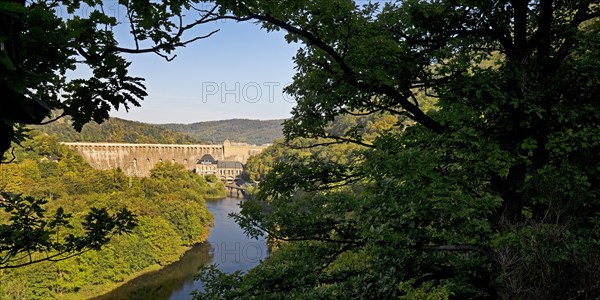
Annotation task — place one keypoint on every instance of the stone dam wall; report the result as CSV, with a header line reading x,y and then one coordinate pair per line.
x,y
139,159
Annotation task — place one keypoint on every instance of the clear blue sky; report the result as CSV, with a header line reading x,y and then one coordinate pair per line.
x,y
238,72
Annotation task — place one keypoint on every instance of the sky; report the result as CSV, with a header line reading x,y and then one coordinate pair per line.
x,y
238,72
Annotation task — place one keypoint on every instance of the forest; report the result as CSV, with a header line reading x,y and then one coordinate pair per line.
x,y
168,207
257,132
116,130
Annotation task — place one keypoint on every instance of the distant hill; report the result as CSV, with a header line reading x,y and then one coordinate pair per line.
x,y
236,130
117,130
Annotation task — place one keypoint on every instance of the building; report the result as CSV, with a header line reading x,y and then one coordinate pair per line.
x,y
206,165
226,170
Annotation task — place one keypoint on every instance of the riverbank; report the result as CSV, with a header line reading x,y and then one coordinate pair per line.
x,y
135,285
226,246
154,275
143,284
159,283
190,260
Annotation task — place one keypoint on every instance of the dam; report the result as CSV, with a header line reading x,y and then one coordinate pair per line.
x,y
139,159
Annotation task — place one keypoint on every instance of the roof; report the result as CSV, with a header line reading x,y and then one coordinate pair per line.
x,y
207,159
229,164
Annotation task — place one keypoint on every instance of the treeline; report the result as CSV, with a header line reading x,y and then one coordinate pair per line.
x,y
236,130
169,207
117,130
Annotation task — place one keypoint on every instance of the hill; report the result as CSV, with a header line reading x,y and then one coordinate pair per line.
x,y
236,130
117,130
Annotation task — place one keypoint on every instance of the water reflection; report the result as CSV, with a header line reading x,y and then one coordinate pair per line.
x,y
231,249
162,283
227,247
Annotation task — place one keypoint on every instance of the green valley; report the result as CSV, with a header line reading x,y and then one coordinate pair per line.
x,y
168,206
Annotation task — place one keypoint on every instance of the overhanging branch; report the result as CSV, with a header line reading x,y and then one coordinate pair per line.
x,y
488,252
415,113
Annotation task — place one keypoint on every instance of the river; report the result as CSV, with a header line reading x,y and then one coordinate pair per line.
x,y
227,247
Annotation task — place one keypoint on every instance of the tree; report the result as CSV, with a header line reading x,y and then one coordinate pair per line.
x,y
41,42
29,237
491,194
169,207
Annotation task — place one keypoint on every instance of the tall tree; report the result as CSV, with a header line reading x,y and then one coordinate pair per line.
x,y
40,43
494,193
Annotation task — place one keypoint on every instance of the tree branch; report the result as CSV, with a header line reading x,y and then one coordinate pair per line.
x,y
171,42
581,16
300,239
520,32
333,257
339,140
53,120
52,258
352,78
488,252
541,37
444,273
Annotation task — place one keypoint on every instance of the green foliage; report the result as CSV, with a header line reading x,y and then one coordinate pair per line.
x,y
43,42
257,166
298,150
236,130
169,206
490,190
27,231
115,130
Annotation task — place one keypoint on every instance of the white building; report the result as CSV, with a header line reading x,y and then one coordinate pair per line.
x,y
225,170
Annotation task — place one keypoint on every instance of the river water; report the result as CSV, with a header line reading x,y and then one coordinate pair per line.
x,y
227,247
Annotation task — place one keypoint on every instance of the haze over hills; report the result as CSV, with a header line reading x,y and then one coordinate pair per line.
x,y
118,130
236,130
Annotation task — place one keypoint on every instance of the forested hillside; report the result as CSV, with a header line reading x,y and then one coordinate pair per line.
x,y
169,207
116,130
236,130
